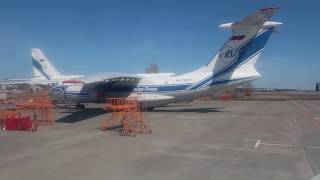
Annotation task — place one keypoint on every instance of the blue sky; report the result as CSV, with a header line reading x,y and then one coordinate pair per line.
x,y
126,35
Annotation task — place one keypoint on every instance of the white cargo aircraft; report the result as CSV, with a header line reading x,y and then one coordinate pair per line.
x,y
44,73
43,69
233,65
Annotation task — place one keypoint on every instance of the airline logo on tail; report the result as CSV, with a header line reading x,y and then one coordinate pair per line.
x,y
228,54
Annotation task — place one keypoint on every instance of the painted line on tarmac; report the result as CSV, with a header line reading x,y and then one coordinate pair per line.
x,y
305,111
157,115
314,106
313,147
299,136
257,144
190,117
270,144
273,144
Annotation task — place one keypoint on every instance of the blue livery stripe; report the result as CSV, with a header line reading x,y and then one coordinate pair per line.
x,y
38,66
248,50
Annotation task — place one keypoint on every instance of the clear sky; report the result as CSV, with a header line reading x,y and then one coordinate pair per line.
x,y
82,36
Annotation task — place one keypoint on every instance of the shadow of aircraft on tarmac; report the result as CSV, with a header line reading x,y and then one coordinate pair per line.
x,y
80,114
195,110
76,115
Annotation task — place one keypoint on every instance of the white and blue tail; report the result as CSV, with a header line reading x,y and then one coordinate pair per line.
x,y
236,59
42,67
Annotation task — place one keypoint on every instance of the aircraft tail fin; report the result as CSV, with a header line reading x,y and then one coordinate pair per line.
x,y
246,43
42,67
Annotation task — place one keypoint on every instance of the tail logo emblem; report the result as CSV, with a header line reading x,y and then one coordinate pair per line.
x,y
228,54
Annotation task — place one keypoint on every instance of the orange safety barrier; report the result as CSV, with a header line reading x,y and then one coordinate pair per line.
x,y
4,113
3,101
126,112
37,106
14,120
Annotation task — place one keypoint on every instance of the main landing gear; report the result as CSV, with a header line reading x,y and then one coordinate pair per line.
x,y
150,108
80,106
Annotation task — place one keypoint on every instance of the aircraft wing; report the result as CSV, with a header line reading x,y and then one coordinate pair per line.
x,y
14,81
26,81
105,79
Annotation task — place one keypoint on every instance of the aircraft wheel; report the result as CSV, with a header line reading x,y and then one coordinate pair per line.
x,y
150,109
81,106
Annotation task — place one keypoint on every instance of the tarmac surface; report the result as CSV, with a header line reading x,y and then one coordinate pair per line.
x,y
219,140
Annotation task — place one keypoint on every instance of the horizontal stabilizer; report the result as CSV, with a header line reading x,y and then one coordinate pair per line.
x,y
257,20
106,78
